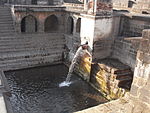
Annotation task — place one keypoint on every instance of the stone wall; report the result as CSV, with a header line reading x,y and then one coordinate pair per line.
x,y
140,90
120,3
103,38
40,14
142,6
134,25
125,49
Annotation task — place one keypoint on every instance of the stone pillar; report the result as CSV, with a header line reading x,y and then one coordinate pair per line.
x,y
99,32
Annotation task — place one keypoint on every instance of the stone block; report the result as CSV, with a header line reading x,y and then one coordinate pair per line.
x,y
141,82
146,57
138,108
144,45
134,90
144,92
146,34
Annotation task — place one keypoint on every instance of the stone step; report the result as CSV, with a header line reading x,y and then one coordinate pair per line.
x,y
5,44
12,54
25,51
7,30
30,56
6,26
46,48
31,39
6,19
6,23
6,34
31,61
27,41
5,13
4,8
26,63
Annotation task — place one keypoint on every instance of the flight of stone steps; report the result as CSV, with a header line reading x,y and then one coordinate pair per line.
x,y
30,50
26,50
6,22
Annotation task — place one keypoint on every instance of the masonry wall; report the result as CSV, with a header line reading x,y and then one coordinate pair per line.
x,y
142,6
40,16
120,3
133,26
125,49
103,37
140,90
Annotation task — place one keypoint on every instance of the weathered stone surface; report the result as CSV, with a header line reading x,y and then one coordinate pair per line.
x,y
125,49
134,90
134,27
111,77
31,50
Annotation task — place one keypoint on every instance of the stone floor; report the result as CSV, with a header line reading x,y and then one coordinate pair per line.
x,y
122,105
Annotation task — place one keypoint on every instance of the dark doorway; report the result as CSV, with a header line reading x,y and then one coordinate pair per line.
x,y
29,24
78,25
70,25
51,24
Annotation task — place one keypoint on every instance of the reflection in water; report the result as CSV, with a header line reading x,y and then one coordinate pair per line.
x,y
36,90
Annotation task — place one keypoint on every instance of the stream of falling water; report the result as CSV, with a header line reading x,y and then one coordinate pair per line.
x,y
67,82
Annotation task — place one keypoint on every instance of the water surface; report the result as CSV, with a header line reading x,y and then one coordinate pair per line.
x,y
36,90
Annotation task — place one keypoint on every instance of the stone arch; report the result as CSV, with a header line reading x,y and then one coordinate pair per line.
x,y
51,24
29,24
70,25
78,25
